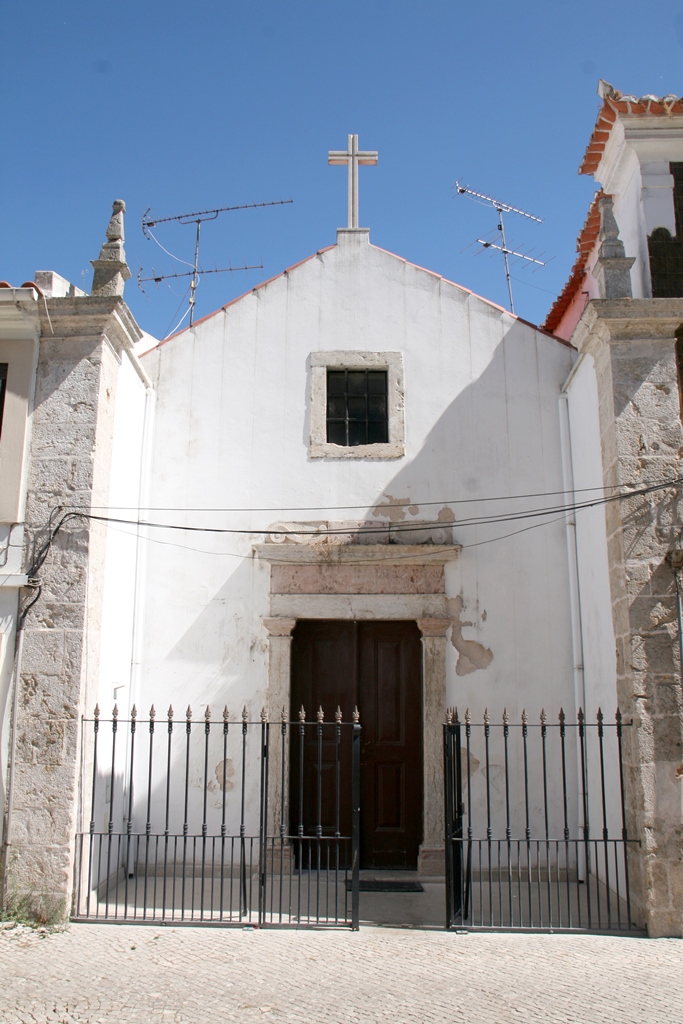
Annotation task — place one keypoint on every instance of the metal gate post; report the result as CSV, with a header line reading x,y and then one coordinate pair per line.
x,y
263,821
355,826
448,818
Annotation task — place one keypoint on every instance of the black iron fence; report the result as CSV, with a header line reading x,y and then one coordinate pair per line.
x,y
535,816
220,822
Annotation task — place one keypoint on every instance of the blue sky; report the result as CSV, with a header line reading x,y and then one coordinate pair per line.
x,y
184,106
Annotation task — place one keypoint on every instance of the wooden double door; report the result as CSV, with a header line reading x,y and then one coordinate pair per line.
x,y
376,666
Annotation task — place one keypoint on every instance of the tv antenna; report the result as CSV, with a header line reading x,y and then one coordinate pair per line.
x,y
500,209
197,218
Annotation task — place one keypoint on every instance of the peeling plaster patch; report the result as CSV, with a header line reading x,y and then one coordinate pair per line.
x,y
217,783
446,515
395,509
473,655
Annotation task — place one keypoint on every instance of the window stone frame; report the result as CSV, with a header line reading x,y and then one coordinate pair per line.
x,y
392,362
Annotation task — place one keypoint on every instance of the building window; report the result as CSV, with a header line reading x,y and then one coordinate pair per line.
x,y
357,405
3,389
666,253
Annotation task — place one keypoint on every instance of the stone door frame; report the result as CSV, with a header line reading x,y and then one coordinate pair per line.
x,y
368,582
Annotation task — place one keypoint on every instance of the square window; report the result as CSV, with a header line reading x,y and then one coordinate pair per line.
x,y
357,405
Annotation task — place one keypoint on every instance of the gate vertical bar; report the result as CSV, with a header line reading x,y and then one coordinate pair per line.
x,y
226,715
319,825
110,823
605,834
586,822
148,819
92,809
563,739
263,819
129,820
243,845
624,833
544,737
527,829
448,815
355,824
167,810
205,793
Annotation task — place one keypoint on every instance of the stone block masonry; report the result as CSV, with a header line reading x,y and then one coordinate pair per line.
x,y
70,464
633,342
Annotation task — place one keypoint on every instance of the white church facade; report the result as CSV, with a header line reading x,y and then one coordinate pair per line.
x,y
360,487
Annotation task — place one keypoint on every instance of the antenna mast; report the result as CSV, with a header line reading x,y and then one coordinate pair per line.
x,y
500,209
197,218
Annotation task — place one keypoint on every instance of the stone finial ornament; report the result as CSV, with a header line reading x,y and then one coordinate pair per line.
x,y
612,270
111,269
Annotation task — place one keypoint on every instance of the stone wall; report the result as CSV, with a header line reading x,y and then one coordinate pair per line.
x,y
70,460
633,346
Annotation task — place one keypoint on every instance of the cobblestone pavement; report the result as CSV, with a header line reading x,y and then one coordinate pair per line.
x,y
122,974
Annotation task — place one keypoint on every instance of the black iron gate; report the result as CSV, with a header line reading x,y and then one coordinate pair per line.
x,y
523,847
190,822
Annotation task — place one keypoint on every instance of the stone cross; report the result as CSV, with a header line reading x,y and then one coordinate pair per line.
x,y
352,157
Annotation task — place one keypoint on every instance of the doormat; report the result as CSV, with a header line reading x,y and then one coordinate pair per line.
x,y
374,885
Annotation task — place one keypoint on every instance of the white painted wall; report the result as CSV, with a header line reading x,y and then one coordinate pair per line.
x,y
231,433
122,553
596,604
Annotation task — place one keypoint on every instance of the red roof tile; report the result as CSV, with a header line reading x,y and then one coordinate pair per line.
x,y
584,246
614,104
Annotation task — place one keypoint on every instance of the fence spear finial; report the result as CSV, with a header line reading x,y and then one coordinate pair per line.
x,y
487,716
302,714
169,713
321,715
207,713
188,713
356,715
338,715
264,715
115,712
449,716
97,711
226,713
133,713
544,717
525,717
152,713
506,717
245,715
468,716
283,715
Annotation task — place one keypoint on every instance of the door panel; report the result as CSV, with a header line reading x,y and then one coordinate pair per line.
x,y
378,667
390,701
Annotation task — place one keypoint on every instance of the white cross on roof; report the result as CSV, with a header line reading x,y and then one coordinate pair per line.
x,y
352,157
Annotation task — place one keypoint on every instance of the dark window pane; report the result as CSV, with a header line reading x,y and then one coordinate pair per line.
x,y
357,408
357,382
336,382
377,407
336,407
358,433
336,433
377,433
377,382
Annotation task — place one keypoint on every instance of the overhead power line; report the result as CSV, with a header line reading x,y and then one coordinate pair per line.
x,y
380,528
